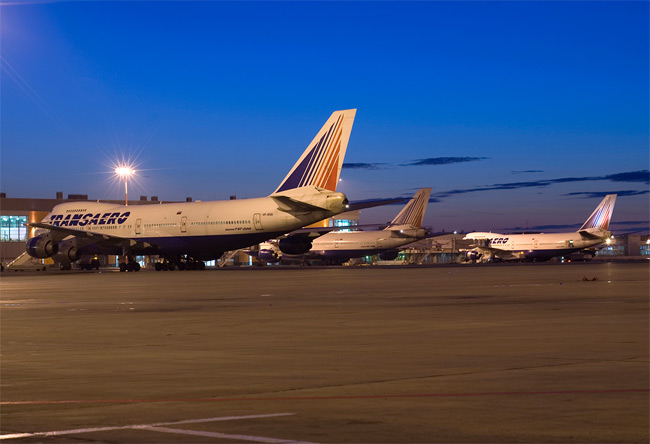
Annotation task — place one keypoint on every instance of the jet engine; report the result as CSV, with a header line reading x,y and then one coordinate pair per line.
x,y
41,247
68,253
473,255
389,255
268,255
294,245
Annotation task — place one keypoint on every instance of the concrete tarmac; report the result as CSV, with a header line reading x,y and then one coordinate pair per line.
x,y
500,354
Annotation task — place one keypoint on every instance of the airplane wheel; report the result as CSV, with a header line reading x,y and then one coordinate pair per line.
x,y
122,267
201,265
136,266
158,266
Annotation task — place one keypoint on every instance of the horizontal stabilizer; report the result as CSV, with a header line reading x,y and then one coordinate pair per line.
x,y
288,204
594,233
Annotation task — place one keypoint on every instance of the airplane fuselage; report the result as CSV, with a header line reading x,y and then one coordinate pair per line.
x,y
202,229
363,243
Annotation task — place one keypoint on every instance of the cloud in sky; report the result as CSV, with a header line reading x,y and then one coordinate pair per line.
x,y
601,194
632,176
642,176
417,162
442,160
363,166
527,171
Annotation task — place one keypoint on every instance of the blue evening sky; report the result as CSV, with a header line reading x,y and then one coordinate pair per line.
x,y
517,114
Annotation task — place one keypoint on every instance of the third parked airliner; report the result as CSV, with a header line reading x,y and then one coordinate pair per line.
x,y
540,246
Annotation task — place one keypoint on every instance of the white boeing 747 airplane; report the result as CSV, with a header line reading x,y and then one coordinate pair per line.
x,y
338,247
542,247
196,231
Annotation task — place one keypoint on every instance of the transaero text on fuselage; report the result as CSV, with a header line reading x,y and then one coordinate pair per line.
x,y
81,220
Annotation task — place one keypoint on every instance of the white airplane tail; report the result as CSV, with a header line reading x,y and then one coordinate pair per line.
x,y
602,214
413,212
320,164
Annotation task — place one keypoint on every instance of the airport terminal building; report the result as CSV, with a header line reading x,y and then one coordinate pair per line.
x,y
444,248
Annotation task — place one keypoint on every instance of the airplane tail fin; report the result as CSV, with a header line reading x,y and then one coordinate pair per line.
x,y
602,214
320,164
413,211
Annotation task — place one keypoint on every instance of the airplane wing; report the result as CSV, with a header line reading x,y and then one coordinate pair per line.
x,y
286,203
360,205
319,231
64,232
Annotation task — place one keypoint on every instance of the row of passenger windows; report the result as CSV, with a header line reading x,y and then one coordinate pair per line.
x,y
222,222
216,222
76,211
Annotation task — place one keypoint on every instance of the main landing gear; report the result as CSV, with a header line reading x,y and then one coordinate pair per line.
x,y
130,265
181,263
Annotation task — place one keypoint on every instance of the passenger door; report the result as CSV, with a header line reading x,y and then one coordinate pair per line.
x,y
138,226
257,221
184,224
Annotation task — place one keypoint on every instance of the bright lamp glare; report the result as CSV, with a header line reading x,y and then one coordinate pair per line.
x,y
124,171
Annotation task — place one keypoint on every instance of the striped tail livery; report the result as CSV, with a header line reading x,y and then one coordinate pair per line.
x,y
320,164
413,212
602,214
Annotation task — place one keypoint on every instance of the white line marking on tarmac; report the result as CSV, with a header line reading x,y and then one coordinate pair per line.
x,y
143,426
220,418
224,435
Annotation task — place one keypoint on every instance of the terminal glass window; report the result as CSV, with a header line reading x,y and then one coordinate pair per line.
x,y
12,228
343,223
612,250
645,249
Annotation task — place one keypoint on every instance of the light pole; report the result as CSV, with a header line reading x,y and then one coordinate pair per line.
x,y
126,172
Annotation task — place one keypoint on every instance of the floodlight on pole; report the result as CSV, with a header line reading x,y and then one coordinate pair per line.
x,y
126,172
